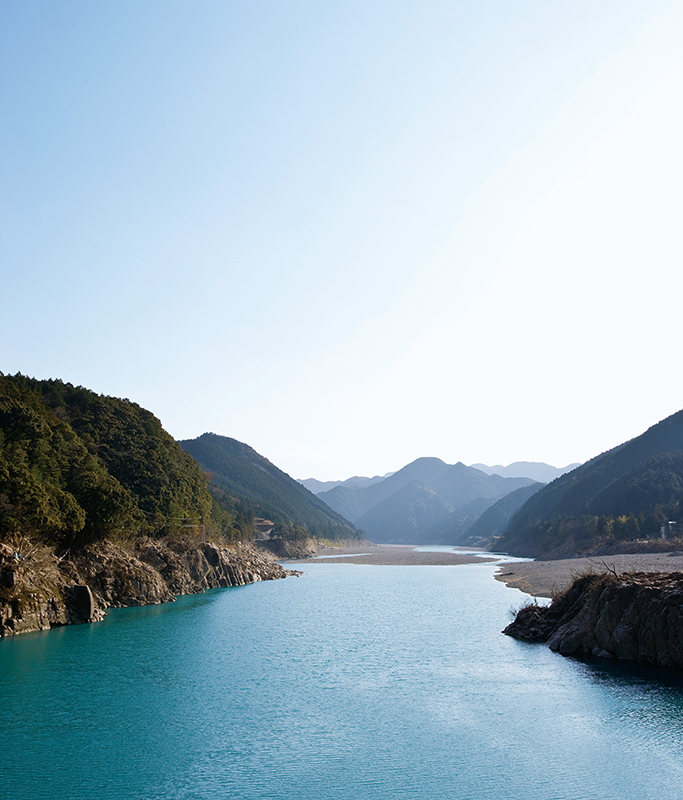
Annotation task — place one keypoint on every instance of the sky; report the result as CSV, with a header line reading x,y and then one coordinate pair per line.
x,y
350,234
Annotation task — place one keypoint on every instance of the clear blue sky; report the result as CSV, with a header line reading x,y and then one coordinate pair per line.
x,y
350,233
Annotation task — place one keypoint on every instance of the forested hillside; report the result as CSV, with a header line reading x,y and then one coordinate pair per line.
x,y
238,470
624,494
77,467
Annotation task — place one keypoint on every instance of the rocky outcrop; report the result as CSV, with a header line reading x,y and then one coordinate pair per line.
x,y
634,617
38,590
118,577
283,548
188,568
35,594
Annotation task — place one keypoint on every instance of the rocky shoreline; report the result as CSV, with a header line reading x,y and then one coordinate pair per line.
x,y
632,616
39,590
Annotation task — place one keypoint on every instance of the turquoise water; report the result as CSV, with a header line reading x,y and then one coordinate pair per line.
x,y
351,682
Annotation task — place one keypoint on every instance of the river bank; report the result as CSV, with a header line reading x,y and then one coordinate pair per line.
x,y
633,616
537,578
550,578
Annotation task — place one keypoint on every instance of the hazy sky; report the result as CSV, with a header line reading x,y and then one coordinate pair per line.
x,y
350,233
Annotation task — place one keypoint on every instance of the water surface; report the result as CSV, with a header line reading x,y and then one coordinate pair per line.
x,y
350,682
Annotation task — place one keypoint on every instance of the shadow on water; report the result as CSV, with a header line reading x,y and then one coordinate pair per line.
x,y
608,671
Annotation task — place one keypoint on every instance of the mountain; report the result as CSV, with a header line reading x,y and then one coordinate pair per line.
x,y
360,499
625,493
537,470
241,472
405,507
460,485
317,487
401,518
345,501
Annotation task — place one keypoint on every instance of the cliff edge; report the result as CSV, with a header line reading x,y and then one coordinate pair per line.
x,y
634,616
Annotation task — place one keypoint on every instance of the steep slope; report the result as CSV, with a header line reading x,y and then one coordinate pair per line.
x,y
624,493
241,471
76,467
100,507
494,520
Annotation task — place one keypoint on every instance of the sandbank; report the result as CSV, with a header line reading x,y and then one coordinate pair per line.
x,y
398,555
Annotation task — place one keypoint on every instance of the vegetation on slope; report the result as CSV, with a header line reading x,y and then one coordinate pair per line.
x,y
238,470
624,494
77,467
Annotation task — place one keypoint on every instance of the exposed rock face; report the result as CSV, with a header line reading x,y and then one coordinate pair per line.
x,y
188,568
38,590
118,577
35,595
635,617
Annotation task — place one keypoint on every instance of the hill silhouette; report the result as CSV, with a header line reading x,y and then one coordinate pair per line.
x,y
495,520
317,487
539,471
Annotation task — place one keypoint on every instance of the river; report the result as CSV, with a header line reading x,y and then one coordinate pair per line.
x,y
351,682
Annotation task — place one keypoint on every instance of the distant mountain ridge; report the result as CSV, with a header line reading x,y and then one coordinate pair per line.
x,y
537,470
408,506
317,487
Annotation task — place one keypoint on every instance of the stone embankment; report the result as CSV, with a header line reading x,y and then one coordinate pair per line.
x,y
38,590
634,617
